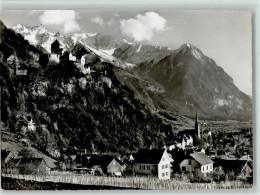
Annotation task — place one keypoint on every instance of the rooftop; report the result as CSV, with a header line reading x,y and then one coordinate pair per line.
x,y
149,156
201,158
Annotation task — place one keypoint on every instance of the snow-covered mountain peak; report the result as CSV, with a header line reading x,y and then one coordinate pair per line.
x,y
101,45
40,28
129,43
190,49
80,37
105,57
21,29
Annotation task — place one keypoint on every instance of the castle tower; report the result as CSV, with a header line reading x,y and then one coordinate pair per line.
x,y
197,126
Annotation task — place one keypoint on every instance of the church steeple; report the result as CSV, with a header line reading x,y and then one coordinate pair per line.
x,y
197,126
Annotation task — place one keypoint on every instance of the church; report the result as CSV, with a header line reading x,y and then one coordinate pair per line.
x,y
192,132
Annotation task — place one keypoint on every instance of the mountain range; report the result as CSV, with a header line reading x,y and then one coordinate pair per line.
x,y
188,80
147,95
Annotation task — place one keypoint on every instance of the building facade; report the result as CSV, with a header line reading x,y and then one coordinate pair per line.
x,y
197,161
154,162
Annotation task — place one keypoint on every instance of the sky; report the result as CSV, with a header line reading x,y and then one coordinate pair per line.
x,y
224,36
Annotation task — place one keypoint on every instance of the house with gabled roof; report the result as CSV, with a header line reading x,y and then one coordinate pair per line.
x,y
72,57
69,163
240,167
109,164
197,160
155,162
37,164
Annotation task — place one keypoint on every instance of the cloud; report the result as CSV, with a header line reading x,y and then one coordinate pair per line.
x,y
97,20
115,14
110,22
65,18
143,27
33,12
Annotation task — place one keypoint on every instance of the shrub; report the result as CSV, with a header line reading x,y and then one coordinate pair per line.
x,y
30,169
230,176
98,172
218,174
199,177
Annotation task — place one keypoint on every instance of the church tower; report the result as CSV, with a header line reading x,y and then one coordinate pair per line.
x,y
197,126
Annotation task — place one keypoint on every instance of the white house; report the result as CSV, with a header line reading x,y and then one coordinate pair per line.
x,y
12,59
72,58
187,140
199,161
155,162
82,60
31,126
170,147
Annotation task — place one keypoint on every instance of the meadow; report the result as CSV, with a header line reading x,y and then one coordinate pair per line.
x,y
150,183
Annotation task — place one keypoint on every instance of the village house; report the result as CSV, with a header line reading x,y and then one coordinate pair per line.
x,y
212,154
31,125
242,168
155,162
82,159
25,123
72,58
198,160
12,60
114,166
246,157
206,132
171,146
24,165
109,165
82,60
186,140
69,163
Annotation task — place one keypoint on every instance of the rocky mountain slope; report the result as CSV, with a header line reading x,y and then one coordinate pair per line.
x,y
70,109
191,82
137,54
184,80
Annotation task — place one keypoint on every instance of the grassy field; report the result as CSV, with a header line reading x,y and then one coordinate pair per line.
x,y
128,182
21,184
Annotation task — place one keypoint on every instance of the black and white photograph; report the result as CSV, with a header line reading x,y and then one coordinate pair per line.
x,y
126,100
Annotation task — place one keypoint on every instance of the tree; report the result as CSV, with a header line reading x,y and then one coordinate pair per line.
x,y
25,152
43,60
218,174
79,50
